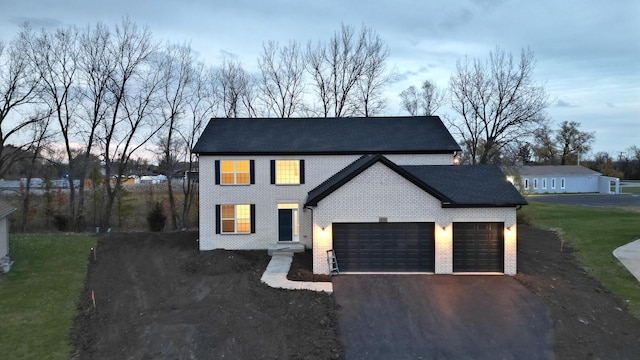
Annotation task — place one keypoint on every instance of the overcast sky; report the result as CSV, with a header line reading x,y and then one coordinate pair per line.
x,y
587,51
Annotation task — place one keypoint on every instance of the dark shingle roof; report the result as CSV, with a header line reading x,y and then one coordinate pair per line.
x,y
453,185
6,209
551,170
469,185
388,135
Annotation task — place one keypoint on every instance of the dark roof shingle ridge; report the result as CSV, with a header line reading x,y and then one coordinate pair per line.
x,y
358,135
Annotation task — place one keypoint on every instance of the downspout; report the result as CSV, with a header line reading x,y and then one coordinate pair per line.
x,y
305,208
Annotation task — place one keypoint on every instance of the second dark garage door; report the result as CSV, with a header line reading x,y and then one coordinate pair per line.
x,y
384,247
478,247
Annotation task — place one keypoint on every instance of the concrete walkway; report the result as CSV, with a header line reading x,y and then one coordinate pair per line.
x,y
629,256
276,275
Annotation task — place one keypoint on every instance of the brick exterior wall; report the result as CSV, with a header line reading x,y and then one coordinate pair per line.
x,y
377,192
380,192
266,196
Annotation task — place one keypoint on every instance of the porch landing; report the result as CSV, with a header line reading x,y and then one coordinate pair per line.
x,y
285,248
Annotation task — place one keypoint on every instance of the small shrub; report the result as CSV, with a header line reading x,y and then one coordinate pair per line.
x,y
156,218
61,222
524,218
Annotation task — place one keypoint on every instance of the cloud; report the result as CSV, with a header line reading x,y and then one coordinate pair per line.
x,y
562,103
37,22
407,74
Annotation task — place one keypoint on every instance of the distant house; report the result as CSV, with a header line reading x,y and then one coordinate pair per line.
x,y
554,179
5,260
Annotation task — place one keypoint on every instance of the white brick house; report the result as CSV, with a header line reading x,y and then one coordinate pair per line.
x,y
381,192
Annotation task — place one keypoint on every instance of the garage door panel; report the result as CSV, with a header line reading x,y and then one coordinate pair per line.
x,y
478,247
384,246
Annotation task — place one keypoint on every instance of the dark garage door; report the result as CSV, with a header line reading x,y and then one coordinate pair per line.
x,y
382,247
478,247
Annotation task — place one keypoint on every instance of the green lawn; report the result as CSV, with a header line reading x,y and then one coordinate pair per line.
x,y
38,297
594,233
630,190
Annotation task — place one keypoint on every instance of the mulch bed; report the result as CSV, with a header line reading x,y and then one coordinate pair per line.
x,y
302,268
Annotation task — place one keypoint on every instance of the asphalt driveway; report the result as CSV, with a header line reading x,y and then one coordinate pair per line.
x,y
441,317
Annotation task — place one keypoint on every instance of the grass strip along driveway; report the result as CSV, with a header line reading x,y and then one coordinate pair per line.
x,y
594,233
38,297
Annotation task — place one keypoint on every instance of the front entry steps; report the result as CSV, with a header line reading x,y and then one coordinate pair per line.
x,y
285,248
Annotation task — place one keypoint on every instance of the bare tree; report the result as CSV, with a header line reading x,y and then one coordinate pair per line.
x,y
375,76
132,120
96,68
425,101
55,56
573,142
410,99
497,102
19,86
236,90
39,139
338,67
201,107
282,78
177,75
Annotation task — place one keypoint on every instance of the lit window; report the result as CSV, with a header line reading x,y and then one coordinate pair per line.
x,y
235,219
562,184
287,172
234,172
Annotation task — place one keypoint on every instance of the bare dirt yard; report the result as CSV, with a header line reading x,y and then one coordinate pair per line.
x,y
157,297
589,321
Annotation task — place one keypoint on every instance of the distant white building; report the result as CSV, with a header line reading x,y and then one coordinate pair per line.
x,y
554,179
5,260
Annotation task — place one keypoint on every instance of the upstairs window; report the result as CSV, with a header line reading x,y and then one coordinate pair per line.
x,y
235,219
287,172
235,172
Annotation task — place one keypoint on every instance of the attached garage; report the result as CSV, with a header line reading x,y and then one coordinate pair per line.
x,y
478,247
384,247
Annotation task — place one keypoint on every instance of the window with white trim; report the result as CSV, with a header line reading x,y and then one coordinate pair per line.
x,y
544,183
235,172
535,184
562,183
235,219
553,183
526,184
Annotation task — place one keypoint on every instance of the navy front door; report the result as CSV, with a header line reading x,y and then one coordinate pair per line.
x,y
285,224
